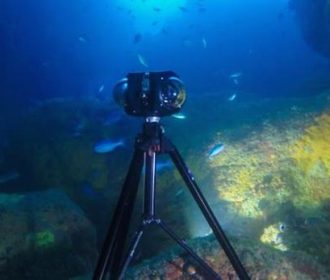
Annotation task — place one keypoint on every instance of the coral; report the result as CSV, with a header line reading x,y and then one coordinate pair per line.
x,y
311,154
312,150
242,192
272,236
172,271
241,171
260,261
308,231
276,167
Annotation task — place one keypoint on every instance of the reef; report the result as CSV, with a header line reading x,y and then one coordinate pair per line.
x,y
276,172
311,153
270,184
314,20
42,234
272,235
284,165
261,262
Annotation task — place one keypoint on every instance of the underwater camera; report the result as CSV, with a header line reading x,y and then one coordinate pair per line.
x,y
150,94
153,95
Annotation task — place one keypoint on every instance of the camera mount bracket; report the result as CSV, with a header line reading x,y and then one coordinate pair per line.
x,y
148,144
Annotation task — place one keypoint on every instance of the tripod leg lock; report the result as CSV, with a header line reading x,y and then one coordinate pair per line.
x,y
150,221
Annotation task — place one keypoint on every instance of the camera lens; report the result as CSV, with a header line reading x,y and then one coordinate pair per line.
x,y
173,94
148,94
120,92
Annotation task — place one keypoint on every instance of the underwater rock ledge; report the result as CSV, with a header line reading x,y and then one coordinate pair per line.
x,y
260,261
44,235
314,20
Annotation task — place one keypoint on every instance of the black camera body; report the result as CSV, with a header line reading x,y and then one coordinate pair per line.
x,y
149,94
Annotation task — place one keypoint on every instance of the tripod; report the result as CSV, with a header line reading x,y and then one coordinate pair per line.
x,y
148,144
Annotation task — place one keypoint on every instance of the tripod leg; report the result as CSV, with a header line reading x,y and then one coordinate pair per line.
x,y
207,212
131,251
208,270
112,251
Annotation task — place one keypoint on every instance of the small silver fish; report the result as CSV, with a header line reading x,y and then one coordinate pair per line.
x,y
82,39
204,42
106,146
101,88
163,165
215,150
179,192
10,176
232,97
142,61
235,75
179,116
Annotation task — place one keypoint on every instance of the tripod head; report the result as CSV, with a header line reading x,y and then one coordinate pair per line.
x,y
150,94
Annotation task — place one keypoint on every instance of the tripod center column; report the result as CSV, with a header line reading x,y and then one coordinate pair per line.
x,y
150,184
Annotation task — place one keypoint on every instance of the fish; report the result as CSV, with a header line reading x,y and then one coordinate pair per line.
x,y
142,60
179,116
162,165
215,150
107,146
101,88
10,176
179,192
82,39
183,9
164,31
156,9
204,42
137,38
235,75
232,97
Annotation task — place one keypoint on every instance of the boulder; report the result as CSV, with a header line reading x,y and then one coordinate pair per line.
x,y
44,235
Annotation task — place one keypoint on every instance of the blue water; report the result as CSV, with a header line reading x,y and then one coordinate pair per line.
x,y
59,48
59,61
